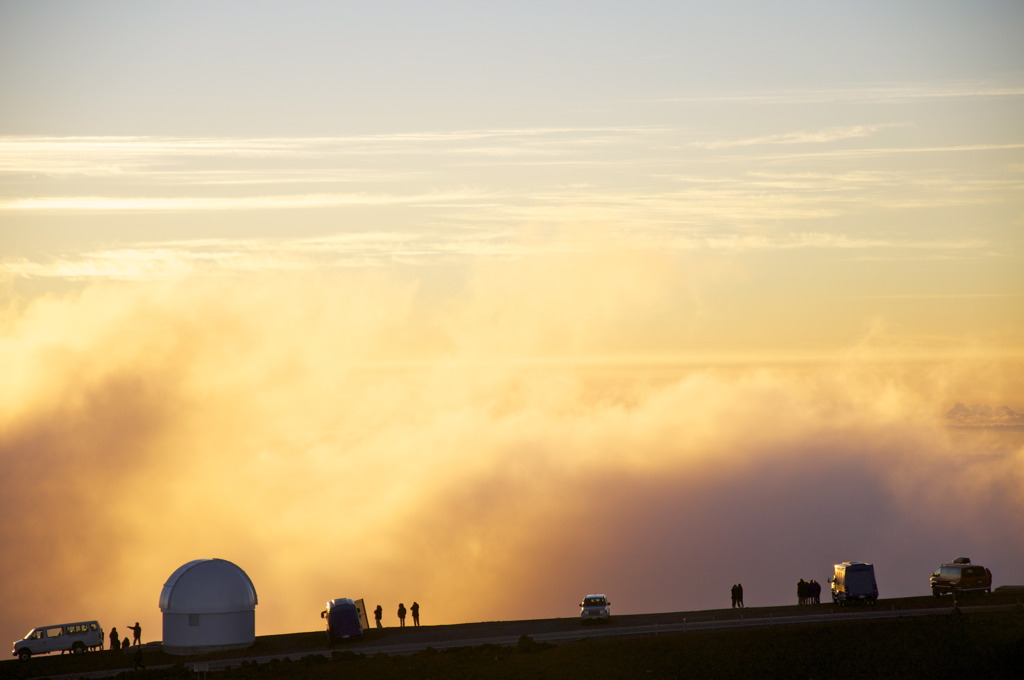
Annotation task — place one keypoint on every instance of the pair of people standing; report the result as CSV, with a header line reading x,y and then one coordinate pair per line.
x,y
415,609
737,596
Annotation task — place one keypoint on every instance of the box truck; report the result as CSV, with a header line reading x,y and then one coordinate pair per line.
x,y
853,582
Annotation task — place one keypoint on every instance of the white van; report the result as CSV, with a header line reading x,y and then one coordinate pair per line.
x,y
64,637
853,581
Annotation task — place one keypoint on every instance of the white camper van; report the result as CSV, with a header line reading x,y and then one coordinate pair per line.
x,y
854,581
64,637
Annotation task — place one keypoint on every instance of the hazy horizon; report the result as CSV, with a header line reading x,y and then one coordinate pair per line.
x,y
491,308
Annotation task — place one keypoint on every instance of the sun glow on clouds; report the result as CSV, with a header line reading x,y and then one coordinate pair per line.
x,y
357,433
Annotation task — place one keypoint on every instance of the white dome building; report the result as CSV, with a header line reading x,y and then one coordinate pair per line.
x,y
208,605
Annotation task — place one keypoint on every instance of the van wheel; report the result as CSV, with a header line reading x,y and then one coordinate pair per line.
x,y
24,654
78,648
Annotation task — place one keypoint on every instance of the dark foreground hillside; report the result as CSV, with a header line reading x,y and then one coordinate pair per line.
x,y
979,645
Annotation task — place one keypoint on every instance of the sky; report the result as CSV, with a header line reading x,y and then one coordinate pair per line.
x,y
490,306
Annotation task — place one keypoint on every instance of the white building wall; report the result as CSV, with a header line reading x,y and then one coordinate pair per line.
x,y
193,633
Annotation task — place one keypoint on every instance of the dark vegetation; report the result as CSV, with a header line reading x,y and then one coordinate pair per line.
x,y
949,645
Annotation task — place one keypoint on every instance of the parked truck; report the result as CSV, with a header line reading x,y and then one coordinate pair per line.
x,y
853,582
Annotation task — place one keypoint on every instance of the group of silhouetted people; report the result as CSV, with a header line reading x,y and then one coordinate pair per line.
x,y
808,592
378,613
737,596
117,643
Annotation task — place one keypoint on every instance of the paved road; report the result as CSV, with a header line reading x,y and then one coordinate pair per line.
x,y
564,630
409,640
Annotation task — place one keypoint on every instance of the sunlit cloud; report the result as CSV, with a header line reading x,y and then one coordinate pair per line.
x,y
484,434
822,136
880,94
116,156
171,259
261,202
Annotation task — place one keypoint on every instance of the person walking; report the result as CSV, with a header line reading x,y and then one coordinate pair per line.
x,y
377,613
401,615
136,633
415,613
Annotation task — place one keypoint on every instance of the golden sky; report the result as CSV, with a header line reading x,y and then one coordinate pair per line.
x,y
492,310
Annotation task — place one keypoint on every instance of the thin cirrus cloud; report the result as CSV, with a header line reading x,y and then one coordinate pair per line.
x,y
110,203
821,136
907,92
113,155
172,259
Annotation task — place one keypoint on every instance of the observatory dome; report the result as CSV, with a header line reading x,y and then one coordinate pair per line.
x,y
208,604
207,587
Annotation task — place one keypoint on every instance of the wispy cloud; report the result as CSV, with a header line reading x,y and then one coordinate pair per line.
x,y
173,259
101,156
821,136
878,94
263,202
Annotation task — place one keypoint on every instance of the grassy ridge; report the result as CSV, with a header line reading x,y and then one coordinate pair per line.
x,y
982,645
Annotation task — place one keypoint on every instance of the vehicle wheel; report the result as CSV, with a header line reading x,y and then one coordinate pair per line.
x,y
78,648
24,654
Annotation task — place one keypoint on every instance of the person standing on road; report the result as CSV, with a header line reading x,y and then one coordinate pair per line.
x,y
401,615
415,613
377,613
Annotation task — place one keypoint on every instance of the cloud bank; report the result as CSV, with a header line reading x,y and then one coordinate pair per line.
x,y
490,443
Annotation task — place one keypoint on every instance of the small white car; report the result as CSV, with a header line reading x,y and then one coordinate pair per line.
x,y
65,637
595,608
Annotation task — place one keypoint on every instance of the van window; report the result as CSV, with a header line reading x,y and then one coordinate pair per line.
x,y
56,631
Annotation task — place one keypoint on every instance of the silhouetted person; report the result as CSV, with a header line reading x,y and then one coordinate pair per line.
x,y
815,592
377,614
801,591
115,639
732,592
739,595
415,613
136,633
401,615
125,644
